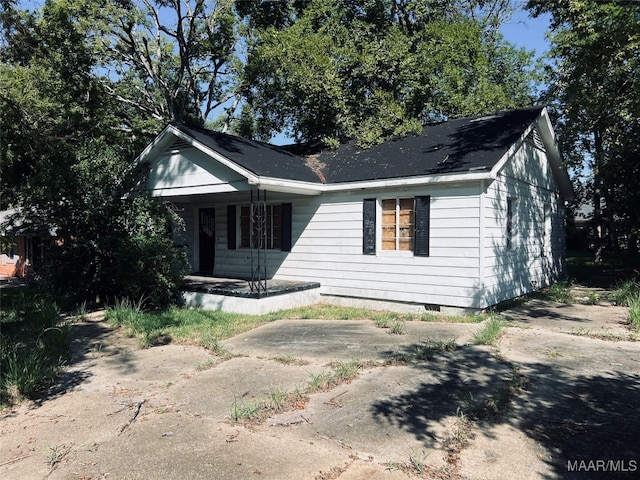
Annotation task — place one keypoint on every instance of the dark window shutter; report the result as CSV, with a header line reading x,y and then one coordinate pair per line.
x,y
369,226
231,227
422,215
286,226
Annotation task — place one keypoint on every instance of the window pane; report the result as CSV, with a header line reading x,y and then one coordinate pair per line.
x,y
405,241
389,224
244,227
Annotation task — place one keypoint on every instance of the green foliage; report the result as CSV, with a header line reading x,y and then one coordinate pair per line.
x,y
593,74
179,68
333,71
201,327
111,246
33,343
628,295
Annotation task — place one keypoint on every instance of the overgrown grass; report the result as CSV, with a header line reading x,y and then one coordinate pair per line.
x,y
208,328
33,343
490,332
626,293
634,312
198,327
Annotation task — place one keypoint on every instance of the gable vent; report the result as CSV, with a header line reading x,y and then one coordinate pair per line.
x,y
178,144
535,138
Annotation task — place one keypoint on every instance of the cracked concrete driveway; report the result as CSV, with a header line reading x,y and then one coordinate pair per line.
x,y
121,412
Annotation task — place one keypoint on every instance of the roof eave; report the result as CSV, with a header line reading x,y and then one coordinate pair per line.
x,y
273,184
555,157
307,188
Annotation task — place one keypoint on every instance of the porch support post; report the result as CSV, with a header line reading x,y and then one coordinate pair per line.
x,y
258,242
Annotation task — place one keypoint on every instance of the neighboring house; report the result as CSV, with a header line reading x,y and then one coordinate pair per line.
x,y
466,215
21,248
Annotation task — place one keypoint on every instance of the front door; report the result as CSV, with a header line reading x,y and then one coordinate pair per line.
x,y
207,235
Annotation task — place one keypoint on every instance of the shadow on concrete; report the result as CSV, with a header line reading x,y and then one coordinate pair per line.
x,y
579,419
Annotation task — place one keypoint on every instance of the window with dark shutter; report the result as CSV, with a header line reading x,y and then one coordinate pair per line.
x,y
369,226
422,220
231,227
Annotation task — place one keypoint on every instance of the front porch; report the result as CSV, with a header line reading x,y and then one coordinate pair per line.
x,y
237,295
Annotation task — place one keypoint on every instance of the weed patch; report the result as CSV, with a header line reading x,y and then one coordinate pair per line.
x,y
606,335
279,400
491,332
559,292
626,293
634,313
290,360
425,351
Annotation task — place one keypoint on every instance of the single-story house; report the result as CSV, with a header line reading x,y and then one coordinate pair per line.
x,y
22,246
466,215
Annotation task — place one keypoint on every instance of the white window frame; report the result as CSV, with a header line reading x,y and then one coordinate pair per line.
x,y
379,228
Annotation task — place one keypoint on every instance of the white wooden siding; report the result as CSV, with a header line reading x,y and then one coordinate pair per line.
x,y
527,265
327,248
327,234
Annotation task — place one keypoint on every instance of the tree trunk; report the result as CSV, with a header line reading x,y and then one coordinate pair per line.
x,y
597,197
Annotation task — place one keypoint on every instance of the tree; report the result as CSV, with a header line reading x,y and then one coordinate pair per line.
x,y
329,71
594,84
171,60
66,163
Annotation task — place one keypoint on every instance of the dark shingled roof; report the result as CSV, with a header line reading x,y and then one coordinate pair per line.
x,y
459,145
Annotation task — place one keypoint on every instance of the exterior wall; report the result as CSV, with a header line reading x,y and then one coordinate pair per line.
x,y
536,255
327,247
16,262
329,250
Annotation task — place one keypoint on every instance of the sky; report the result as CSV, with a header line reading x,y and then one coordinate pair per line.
x,y
528,32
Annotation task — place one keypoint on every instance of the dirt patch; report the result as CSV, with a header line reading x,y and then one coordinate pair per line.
x,y
166,412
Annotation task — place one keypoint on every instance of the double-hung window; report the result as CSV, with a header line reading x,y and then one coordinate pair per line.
x,y
267,227
270,228
404,225
397,224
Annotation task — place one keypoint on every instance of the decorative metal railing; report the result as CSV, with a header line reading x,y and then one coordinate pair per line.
x,y
258,241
